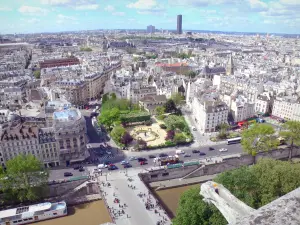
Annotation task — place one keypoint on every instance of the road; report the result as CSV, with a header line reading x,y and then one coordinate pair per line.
x,y
232,149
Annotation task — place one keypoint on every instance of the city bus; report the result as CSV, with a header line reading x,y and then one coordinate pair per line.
x,y
234,140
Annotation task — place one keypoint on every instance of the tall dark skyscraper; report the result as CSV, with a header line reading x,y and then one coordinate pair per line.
x,y
179,24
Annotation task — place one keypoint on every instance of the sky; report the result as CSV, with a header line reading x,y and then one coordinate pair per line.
x,y
34,16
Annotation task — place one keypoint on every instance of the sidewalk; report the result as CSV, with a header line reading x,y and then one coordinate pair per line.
x,y
181,182
135,212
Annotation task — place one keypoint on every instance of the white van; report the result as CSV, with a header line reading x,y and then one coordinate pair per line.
x,y
178,152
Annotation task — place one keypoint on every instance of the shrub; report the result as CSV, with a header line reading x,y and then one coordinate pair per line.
x,y
163,126
161,117
170,135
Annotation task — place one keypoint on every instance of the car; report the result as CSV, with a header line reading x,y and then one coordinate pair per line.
x,y
107,163
128,165
202,153
68,174
112,167
211,149
223,150
102,166
142,159
194,128
132,158
143,163
124,162
152,156
195,151
108,152
77,167
163,155
187,155
81,169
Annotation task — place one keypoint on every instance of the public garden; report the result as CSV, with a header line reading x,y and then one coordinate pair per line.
x,y
133,128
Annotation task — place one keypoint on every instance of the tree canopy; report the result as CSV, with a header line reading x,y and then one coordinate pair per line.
x,y
170,106
177,98
192,210
25,178
260,137
108,118
117,133
174,122
291,133
37,74
255,185
159,110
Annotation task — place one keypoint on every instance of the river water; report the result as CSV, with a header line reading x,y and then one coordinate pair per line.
x,y
171,196
93,213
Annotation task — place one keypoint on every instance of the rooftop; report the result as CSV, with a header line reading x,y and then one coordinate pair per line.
x,y
65,115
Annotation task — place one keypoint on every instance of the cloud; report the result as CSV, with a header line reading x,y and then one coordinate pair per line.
x,y
60,19
31,10
147,7
202,3
109,8
75,4
5,8
258,5
87,7
118,14
143,4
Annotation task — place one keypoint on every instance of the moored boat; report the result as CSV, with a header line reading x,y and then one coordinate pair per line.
x,y
33,213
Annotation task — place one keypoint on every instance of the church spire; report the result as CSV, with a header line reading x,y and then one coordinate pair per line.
x,y
230,66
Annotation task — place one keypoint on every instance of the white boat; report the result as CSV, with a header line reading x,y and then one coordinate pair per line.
x,y
33,213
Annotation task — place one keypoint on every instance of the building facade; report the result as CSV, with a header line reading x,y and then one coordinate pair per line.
x,y
150,29
209,114
179,24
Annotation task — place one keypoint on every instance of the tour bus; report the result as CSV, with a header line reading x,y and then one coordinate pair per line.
x,y
234,140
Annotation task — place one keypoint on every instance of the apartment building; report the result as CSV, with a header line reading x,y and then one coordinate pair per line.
x,y
263,104
208,114
287,108
241,109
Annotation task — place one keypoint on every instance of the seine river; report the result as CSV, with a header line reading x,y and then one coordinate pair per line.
x,y
171,196
93,213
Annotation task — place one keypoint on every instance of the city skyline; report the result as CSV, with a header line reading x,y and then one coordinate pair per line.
x,y
278,16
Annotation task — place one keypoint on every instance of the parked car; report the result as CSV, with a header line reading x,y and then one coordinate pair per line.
x,y
124,162
81,169
132,158
152,156
195,151
112,167
178,152
68,174
76,167
163,155
202,153
102,166
128,165
211,149
223,150
187,155
142,159
143,163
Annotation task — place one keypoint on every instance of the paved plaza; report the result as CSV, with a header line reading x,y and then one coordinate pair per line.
x,y
133,197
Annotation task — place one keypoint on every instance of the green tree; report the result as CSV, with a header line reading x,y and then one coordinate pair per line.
x,y
117,133
223,130
174,122
170,106
177,98
105,98
25,178
259,138
159,110
108,118
191,74
37,74
192,210
291,133
179,138
113,96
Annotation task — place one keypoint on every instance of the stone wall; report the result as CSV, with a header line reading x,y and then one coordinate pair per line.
x,y
218,167
59,189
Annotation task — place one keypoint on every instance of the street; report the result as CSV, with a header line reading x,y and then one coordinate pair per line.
x,y
232,149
